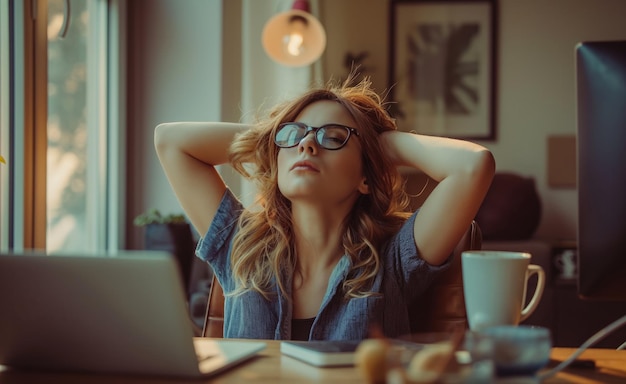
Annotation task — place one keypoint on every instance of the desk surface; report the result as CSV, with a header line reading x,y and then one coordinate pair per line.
x,y
270,367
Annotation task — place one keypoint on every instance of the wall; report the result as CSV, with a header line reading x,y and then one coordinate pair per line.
x,y
176,64
195,60
535,79
174,73
537,89
351,35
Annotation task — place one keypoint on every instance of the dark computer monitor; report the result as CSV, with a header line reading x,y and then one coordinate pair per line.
x,y
601,152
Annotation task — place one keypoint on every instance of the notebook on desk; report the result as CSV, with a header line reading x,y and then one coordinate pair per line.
x,y
124,313
342,353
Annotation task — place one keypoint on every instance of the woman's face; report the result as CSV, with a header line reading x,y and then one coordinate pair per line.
x,y
308,172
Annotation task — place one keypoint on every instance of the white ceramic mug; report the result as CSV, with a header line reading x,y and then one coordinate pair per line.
x,y
495,283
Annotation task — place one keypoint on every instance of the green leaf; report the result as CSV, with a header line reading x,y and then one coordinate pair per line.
x,y
154,216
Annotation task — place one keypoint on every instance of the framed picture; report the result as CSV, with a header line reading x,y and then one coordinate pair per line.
x,y
443,67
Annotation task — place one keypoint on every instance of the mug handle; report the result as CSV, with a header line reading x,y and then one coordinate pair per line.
x,y
534,302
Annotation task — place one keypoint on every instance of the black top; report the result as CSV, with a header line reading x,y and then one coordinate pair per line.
x,y
301,328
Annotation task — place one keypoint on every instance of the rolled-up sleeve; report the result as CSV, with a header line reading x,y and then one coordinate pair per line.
x,y
403,261
214,246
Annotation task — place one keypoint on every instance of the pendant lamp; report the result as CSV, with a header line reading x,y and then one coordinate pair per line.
x,y
294,38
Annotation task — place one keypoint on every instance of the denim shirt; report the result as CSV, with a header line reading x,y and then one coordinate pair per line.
x,y
402,277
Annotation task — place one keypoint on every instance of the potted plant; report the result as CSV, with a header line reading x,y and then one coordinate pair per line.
x,y
170,233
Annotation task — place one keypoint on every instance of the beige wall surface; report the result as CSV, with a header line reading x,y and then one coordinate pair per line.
x,y
173,74
535,79
537,90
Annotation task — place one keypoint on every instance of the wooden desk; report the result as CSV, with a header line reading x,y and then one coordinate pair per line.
x,y
610,366
271,367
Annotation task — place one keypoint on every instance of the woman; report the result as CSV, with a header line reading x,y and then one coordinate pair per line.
x,y
329,250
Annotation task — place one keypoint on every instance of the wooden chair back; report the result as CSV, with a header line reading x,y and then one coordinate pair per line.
x,y
214,318
440,309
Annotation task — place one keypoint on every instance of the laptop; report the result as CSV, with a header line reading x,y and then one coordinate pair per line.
x,y
124,313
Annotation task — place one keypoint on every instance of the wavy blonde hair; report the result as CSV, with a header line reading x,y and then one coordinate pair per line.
x,y
263,250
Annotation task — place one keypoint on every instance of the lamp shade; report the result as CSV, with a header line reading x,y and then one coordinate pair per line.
x,y
294,38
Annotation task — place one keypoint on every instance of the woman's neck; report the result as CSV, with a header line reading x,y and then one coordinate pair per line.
x,y
318,236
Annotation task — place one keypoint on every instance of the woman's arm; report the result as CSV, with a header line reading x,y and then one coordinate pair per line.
x,y
189,152
463,170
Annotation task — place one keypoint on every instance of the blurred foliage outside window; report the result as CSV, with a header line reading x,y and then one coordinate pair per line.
x,y
67,128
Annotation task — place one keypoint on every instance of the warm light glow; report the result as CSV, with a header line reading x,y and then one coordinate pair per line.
x,y
294,43
294,38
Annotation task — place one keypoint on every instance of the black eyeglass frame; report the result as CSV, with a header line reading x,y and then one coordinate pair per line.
x,y
315,130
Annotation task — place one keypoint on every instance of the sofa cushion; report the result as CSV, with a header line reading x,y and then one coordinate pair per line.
x,y
511,209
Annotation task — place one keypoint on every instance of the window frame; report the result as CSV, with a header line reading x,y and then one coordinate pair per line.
x,y
23,103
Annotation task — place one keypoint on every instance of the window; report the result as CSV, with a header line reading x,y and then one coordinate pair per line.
x,y
71,194
67,125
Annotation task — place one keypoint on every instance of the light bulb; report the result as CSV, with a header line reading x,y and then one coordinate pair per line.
x,y
294,38
294,41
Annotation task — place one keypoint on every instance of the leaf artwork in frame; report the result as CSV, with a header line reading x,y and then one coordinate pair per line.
x,y
442,71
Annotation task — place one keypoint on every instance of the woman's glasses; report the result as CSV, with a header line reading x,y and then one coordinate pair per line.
x,y
328,136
